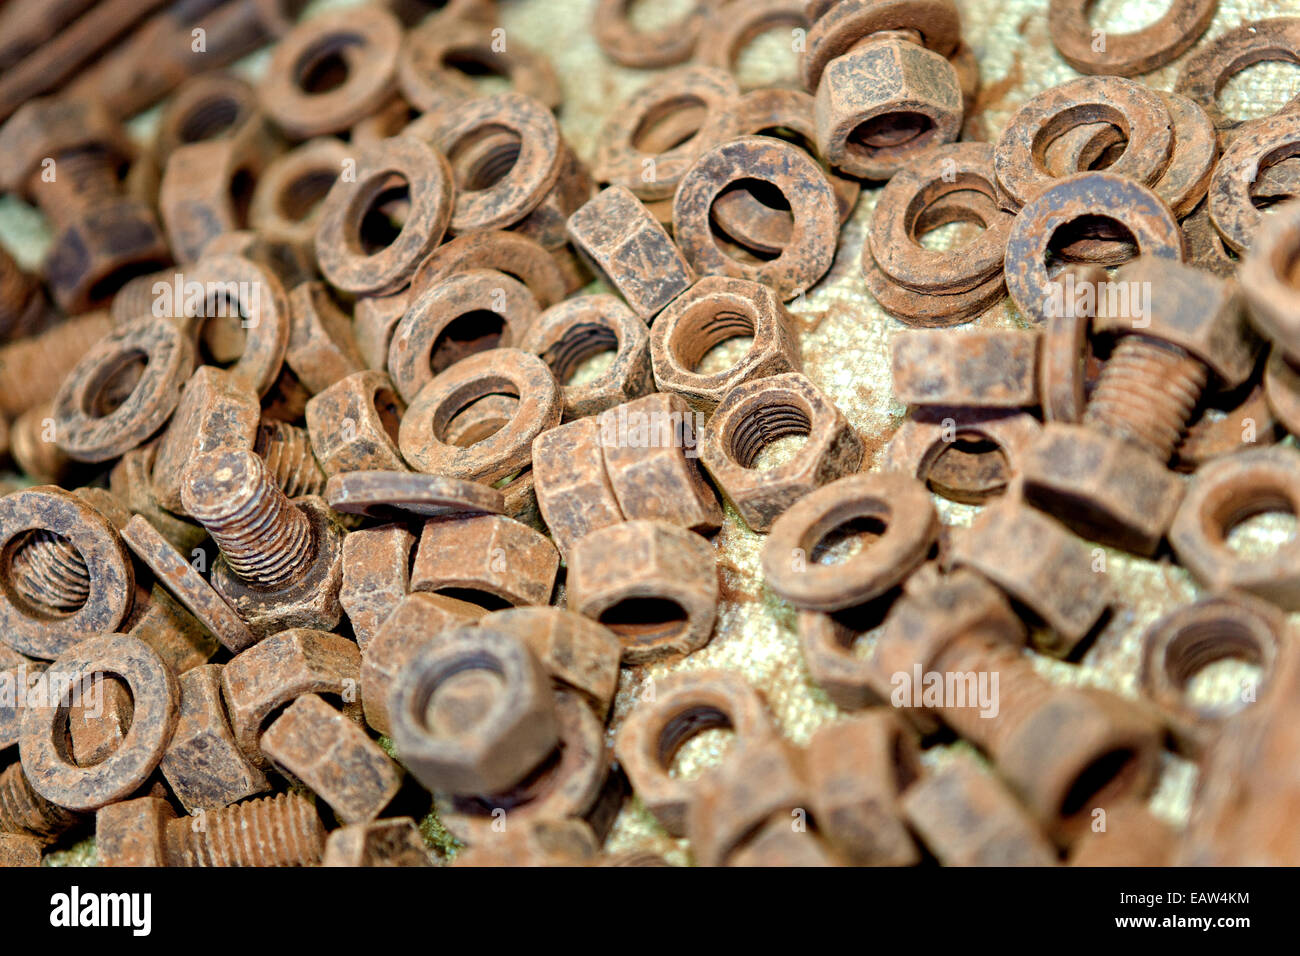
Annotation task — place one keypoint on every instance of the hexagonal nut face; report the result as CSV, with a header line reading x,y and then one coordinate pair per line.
x,y
256,682
376,574
100,250
1266,283
322,349
487,559
651,450
541,842
653,584
1103,488
1224,493
933,612
714,309
45,127
1079,749
576,651
311,601
572,486
1195,310
880,105
473,712
392,842
130,833
216,411
203,764
353,424
755,414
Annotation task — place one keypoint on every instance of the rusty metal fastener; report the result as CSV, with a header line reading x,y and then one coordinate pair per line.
x,y
395,841
983,368
283,830
24,811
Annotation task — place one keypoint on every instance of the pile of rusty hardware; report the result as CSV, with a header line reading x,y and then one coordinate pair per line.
x,y
314,399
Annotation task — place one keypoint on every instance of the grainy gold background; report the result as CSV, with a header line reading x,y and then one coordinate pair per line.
x,y
846,340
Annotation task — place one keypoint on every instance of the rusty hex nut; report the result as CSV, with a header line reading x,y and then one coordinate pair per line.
x,y
376,576
395,841
417,619
883,103
285,205
354,424
203,765
982,368
1266,283
490,559
653,584
576,651
651,450
685,704
1222,494
624,242
572,487
473,712
568,334
101,249
753,415
259,681
714,309
322,349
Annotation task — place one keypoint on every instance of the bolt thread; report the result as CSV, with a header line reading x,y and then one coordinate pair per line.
x,y
81,178
283,830
41,460
286,450
1147,393
1021,690
265,539
49,572
16,291
23,810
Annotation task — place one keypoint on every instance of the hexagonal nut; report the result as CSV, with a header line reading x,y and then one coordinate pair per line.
x,y
1195,310
629,247
572,487
99,250
260,680
216,411
981,368
755,414
311,600
567,334
685,704
651,449
133,832
777,844
653,584
353,424
205,187
17,849
1105,489
1078,749
1268,287
966,817
486,559
43,128
756,781
714,309
881,104
322,349
417,619
16,675
1222,494
932,613
203,765
473,712
538,843
376,577
856,770
1041,565
392,842
577,652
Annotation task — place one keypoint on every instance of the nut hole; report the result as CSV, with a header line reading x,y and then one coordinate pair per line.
x,y
114,382
646,619
323,67
475,331
761,428
890,131
576,348
655,135
1108,773
477,596
384,214
47,573
705,326
691,724
848,539
303,195
210,118
482,158
388,408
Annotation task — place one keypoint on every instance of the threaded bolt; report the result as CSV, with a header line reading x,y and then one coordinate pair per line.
x,y
283,830
265,539
49,572
85,176
23,810
1147,393
286,450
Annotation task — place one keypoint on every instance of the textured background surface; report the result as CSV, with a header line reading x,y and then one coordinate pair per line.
x,y
846,341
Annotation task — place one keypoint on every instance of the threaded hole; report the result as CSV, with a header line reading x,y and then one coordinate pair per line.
x,y
705,326
1257,529
47,574
646,619
890,131
708,725
761,428
484,157
1193,656
579,343
388,408
969,470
